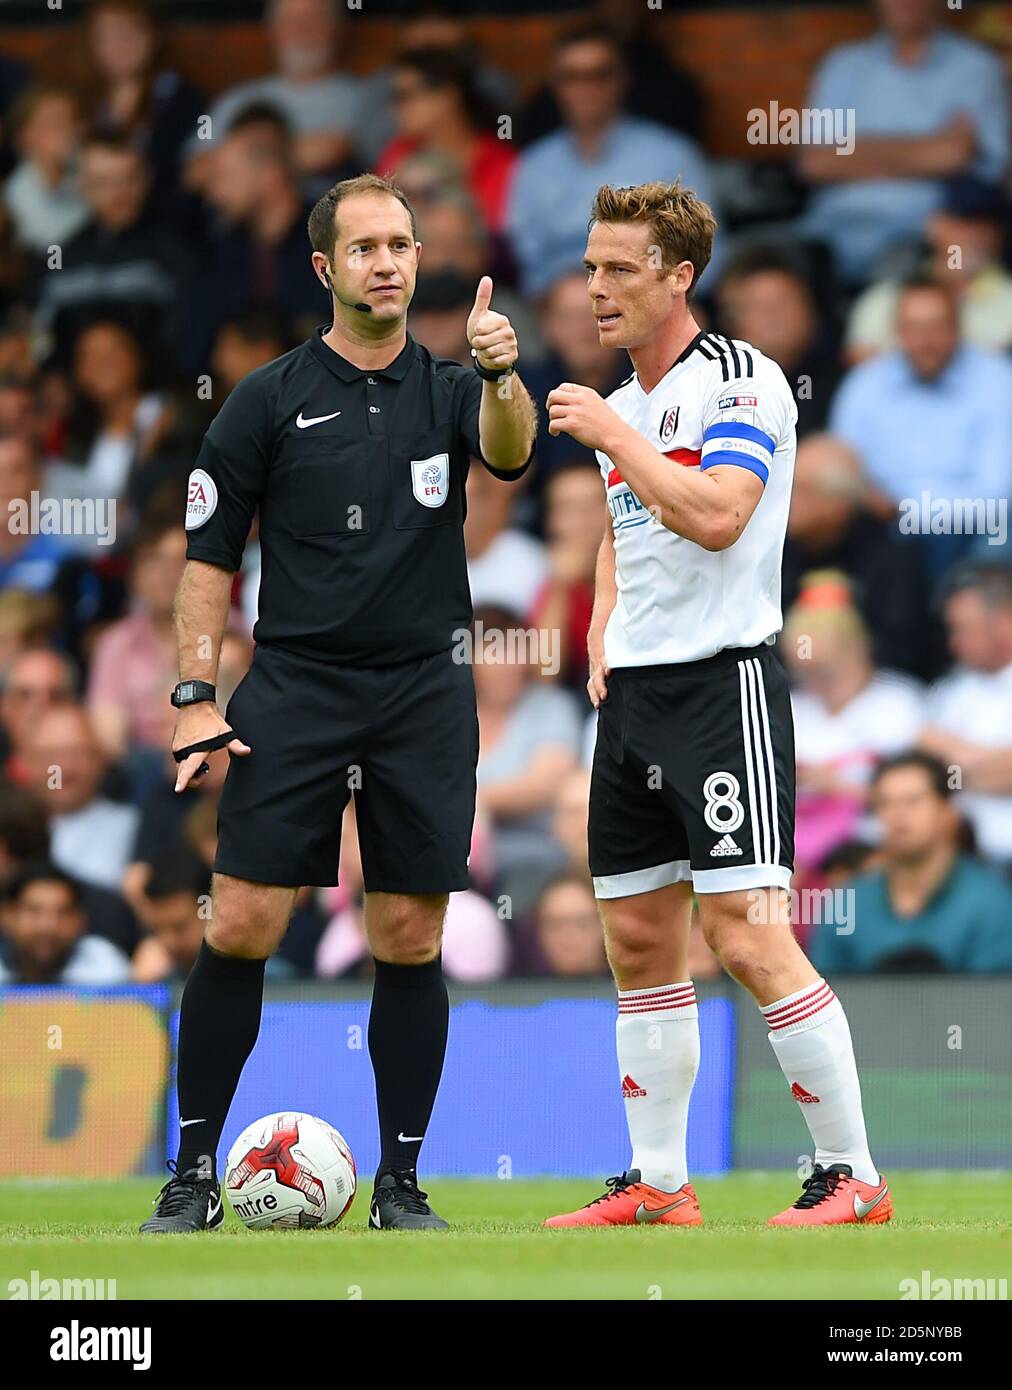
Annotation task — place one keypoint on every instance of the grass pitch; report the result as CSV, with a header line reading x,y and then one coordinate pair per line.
x,y
956,1226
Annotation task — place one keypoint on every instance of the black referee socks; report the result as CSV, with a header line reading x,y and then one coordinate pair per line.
x,y
408,1025
219,1019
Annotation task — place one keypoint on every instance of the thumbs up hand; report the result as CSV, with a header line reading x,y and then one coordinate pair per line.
x,y
493,341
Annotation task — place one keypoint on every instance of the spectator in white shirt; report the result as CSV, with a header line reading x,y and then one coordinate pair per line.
x,y
964,248
41,193
969,713
46,940
91,837
529,740
847,715
506,566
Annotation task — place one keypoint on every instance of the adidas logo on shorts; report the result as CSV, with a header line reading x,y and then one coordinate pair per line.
x,y
725,848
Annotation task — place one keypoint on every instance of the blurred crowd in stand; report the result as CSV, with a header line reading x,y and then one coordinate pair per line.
x,y
153,251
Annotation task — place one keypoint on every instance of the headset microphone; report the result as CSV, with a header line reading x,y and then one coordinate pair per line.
x,y
361,306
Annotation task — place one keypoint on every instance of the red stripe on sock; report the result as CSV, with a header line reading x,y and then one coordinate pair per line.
x,y
776,1015
655,994
674,1002
816,1007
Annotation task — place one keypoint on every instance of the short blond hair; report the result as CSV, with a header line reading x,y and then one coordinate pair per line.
x,y
683,225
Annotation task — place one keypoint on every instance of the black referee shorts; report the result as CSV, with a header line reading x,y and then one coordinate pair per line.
x,y
403,738
693,777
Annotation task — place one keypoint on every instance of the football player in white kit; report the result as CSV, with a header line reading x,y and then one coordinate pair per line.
x,y
692,790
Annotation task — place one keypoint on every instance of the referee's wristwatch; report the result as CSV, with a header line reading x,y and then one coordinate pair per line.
x,y
491,373
193,693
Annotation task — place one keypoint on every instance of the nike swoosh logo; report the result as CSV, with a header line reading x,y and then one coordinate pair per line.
x,y
374,1219
861,1208
645,1214
304,424
411,1138
213,1207
184,1123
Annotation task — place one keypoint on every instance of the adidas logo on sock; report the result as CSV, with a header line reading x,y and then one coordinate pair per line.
x,y
805,1097
630,1089
724,848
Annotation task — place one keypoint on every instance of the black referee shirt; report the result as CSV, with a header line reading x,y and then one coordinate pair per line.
x,y
359,481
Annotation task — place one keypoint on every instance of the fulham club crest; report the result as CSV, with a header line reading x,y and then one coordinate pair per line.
x,y
669,424
201,499
430,479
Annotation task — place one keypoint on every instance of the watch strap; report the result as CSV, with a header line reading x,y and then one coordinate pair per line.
x,y
492,373
197,692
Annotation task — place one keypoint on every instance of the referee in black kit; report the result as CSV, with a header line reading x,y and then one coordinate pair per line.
x,y
354,448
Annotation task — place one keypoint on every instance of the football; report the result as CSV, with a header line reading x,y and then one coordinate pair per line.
x,y
290,1170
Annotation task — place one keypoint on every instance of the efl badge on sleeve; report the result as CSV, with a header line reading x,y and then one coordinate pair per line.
x,y
430,479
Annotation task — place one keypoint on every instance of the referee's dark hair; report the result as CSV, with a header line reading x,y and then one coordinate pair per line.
x,y
323,218
933,768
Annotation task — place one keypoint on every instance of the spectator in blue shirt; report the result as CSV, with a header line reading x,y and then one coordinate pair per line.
x,y
932,425
928,906
926,104
558,176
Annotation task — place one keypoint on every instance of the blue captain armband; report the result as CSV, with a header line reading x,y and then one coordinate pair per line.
x,y
740,444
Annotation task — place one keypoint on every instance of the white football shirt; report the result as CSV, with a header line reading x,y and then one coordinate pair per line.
x,y
722,402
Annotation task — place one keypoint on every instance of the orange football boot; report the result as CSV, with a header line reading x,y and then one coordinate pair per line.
x,y
631,1202
833,1197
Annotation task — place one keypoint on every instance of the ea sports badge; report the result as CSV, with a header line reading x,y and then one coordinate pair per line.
x,y
201,499
430,479
669,424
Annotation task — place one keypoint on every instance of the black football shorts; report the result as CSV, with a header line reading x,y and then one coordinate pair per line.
x,y
693,777
403,739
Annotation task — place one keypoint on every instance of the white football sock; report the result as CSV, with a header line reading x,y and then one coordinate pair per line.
x,y
657,1038
810,1035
